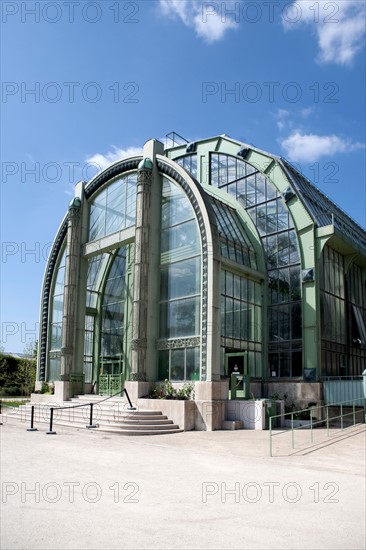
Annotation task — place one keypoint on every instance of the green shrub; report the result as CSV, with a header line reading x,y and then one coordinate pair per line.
x,y
167,391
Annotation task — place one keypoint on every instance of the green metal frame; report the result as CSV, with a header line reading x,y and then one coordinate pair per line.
x,y
246,377
311,423
110,384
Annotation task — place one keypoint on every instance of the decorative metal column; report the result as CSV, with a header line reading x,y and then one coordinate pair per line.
x,y
70,288
140,292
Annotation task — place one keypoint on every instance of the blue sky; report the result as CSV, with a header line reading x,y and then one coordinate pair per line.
x,y
85,83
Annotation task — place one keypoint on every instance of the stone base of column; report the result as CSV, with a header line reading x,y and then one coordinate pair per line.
x,y
211,390
62,391
211,399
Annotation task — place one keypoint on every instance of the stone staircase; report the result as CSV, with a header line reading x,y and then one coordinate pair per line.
x,y
110,415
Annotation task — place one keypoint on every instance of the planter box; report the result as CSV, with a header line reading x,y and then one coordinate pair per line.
x,y
180,411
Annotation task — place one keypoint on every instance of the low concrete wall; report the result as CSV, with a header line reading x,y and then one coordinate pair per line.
x,y
180,411
189,415
44,398
299,393
209,415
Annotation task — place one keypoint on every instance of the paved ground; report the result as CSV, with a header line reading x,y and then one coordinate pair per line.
x,y
216,490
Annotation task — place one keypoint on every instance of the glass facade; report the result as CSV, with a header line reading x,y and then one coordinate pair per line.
x,y
234,243
356,286
113,308
333,308
322,210
55,327
180,282
343,316
241,319
114,208
96,268
269,213
89,348
195,274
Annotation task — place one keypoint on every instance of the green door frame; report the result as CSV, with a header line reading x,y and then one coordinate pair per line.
x,y
246,378
239,354
111,383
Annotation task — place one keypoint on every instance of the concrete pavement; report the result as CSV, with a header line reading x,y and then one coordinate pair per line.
x,y
82,489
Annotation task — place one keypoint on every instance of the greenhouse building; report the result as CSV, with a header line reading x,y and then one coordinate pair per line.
x,y
190,262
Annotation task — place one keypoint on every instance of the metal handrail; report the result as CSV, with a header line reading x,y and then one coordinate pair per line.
x,y
312,423
31,428
91,405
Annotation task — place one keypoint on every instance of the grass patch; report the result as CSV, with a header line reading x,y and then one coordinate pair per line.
x,y
13,403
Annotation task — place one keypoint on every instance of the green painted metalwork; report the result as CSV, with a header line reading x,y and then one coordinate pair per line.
x,y
311,423
104,384
116,383
110,384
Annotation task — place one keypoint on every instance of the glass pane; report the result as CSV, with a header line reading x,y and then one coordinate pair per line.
x,y
54,369
192,364
180,318
114,208
229,324
261,188
60,281
177,364
295,283
250,191
294,249
283,249
285,364
284,285
113,307
271,217
283,323
297,363
56,336
57,309
282,216
296,321
180,279
97,216
163,370
237,320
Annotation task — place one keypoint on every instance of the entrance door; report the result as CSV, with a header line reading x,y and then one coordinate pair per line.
x,y
237,363
111,379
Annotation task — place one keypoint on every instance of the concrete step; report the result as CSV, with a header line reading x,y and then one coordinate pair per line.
x,y
106,420
142,432
83,415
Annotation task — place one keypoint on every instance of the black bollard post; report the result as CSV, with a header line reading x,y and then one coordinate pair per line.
x,y
32,428
130,408
0,412
91,425
50,431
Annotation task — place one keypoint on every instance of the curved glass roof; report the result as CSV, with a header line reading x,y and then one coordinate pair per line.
x,y
235,244
322,209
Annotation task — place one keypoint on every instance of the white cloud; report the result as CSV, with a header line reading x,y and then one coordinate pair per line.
x,y
101,161
340,26
282,117
209,20
306,112
311,147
